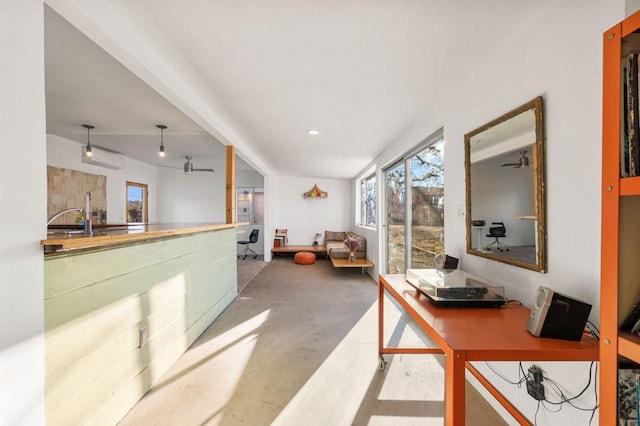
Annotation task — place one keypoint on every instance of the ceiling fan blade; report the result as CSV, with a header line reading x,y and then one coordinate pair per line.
x,y
523,162
188,166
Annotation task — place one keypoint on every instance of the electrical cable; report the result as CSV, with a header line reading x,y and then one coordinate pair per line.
x,y
555,386
593,325
595,392
561,394
557,389
524,375
594,331
518,383
549,409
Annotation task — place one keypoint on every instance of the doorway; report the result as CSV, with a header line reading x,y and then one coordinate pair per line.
x,y
250,205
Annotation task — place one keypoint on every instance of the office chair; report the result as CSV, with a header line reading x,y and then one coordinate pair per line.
x,y
497,230
253,238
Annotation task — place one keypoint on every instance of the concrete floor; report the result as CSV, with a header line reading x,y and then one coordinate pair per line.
x,y
299,347
248,269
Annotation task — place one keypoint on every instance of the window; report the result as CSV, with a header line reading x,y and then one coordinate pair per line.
x,y
427,205
137,203
395,229
368,201
414,207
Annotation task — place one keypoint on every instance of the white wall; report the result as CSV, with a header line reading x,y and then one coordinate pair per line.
x,y
249,178
557,53
23,195
65,153
191,198
304,217
174,197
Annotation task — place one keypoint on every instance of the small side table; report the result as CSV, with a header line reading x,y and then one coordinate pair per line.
x,y
344,263
479,230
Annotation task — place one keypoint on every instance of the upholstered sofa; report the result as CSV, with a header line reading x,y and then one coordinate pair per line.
x,y
334,242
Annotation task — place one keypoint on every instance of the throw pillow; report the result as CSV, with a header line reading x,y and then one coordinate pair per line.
x,y
334,236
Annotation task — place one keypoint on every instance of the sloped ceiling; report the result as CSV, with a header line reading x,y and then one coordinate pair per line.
x,y
360,72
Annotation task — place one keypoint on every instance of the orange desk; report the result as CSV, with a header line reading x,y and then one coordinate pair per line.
x,y
474,334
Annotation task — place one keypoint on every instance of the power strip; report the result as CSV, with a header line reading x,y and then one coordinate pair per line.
x,y
535,388
535,374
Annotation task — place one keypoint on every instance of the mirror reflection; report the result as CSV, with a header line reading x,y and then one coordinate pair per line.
x,y
504,167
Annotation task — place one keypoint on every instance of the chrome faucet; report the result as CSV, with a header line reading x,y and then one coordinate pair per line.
x,y
87,214
57,215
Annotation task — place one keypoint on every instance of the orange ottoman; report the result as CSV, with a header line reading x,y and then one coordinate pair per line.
x,y
304,258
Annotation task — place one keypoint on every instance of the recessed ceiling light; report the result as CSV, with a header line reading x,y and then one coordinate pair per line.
x,y
313,132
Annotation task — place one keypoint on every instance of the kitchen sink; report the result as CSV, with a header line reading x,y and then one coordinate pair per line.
x,y
69,230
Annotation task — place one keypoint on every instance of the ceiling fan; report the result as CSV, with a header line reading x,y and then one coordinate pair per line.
x,y
522,162
188,166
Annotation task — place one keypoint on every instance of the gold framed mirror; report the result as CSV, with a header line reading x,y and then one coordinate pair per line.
x,y
505,188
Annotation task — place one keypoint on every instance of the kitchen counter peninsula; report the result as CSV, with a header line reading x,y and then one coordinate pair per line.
x,y
66,238
121,306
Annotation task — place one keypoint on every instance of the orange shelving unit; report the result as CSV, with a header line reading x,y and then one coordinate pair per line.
x,y
620,262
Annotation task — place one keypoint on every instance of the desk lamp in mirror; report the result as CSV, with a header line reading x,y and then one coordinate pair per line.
x,y
505,184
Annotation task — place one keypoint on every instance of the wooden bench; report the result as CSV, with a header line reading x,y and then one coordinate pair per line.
x,y
296,249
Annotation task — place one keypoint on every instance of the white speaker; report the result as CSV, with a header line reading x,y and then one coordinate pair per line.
x,y
557,316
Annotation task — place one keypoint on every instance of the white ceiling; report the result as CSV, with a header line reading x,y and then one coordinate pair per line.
x,y
361,72
85,85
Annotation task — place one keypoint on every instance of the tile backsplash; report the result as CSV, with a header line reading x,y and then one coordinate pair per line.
x,y
66,189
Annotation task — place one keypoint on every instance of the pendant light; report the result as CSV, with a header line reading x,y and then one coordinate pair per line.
x,y
88,152
161,127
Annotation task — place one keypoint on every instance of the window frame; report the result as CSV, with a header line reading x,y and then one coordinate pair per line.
x,y
431,140
365,210
145,201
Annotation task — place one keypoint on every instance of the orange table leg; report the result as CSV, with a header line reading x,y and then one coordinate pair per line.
x,y
455,388
382,364
381,348
380,318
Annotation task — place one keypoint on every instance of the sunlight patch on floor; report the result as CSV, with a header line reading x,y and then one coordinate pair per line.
x,y
236,357
192,376
405,421
240,336
417,381
350,377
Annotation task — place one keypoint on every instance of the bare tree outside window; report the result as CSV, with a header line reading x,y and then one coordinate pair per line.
x,y
420,224
368,194
395,214
427,210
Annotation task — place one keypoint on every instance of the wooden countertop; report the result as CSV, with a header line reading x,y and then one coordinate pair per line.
x,y
122,234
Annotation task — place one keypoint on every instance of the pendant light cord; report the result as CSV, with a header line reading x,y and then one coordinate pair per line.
x,y
88,127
